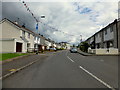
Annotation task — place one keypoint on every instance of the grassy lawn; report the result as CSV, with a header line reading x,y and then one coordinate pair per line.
x,y
4,56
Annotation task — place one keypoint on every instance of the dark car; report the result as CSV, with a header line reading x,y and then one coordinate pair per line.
x,y
73,50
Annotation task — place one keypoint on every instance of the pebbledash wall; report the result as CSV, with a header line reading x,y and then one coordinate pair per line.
x,y
16,38
12,34
107,40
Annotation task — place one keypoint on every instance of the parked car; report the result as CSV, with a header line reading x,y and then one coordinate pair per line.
x,y
73,50
53,49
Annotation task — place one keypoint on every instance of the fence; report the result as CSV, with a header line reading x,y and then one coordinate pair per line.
x,y
32,50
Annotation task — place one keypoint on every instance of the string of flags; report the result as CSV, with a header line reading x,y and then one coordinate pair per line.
x,y
37,21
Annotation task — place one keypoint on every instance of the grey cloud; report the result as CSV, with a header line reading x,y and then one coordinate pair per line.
x,y
60,15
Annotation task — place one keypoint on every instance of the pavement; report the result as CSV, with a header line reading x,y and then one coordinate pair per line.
x,y
20,62
90,54
84,53
67,70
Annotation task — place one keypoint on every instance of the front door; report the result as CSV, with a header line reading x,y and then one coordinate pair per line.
x,y
40,47
18,47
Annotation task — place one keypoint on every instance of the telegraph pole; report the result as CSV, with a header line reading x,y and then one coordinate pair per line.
x,y
119,10
80,38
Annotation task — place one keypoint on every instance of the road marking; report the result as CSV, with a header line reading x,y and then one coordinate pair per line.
x,y
1,77
66,53
12,70
96,78
70,59
101,81
102,60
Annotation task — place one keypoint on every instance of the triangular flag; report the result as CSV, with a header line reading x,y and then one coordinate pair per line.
x,y
37,26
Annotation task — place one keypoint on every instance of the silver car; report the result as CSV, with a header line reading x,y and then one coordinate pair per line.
x,y
73,50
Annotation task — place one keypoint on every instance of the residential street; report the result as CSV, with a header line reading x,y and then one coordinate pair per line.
x,y
60,44
67,70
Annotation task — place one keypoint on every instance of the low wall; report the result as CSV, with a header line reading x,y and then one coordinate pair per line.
x,y
110,51
92,51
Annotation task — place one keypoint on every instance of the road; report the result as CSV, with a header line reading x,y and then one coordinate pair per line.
x,y
67,70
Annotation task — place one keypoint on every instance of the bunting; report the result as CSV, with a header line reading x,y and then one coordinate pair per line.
x,y
37,21
37,26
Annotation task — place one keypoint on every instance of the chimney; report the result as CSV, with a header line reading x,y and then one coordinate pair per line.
x,y
15,22
23,25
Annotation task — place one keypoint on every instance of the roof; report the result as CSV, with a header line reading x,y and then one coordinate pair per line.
x,y
5,19
103,28
23,28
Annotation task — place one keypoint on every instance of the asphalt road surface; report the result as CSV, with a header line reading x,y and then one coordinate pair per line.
x,y
67,70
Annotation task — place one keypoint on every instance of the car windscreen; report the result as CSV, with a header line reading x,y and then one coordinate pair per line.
x,y
74,49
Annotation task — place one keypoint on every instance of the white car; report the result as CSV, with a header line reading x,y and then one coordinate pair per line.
x,y
54,49
73,50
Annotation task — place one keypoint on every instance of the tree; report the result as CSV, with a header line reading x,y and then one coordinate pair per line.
x,y
84,46
73,45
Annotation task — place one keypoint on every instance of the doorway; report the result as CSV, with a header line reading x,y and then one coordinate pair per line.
x,y
18,47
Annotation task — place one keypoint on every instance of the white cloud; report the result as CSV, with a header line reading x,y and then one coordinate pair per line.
x,y
66,16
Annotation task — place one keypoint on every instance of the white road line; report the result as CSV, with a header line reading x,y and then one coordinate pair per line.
x,y
96,78
17,70
101,81
66,53
70,59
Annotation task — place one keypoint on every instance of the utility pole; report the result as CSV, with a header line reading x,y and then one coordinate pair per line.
x,y
39,20
119,10
118,27
80,38
18,20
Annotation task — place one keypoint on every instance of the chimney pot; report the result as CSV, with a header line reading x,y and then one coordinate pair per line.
x,y
16,22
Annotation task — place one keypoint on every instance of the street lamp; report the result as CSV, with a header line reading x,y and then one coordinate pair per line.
x,y
42,16
81,38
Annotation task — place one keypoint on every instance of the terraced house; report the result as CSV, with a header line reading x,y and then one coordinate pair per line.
x,y
16,38
106,41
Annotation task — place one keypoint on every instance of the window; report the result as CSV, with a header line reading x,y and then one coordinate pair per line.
x,y
105,31
100,34
111,29
96,35
28,35
37,38
23,33
28,45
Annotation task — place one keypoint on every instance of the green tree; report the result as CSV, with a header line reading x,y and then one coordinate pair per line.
x,y
73,45
84,46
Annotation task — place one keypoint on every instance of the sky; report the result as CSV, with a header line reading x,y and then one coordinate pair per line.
x,y
72,18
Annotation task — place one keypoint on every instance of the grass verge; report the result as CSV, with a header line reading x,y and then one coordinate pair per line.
x,y
5,56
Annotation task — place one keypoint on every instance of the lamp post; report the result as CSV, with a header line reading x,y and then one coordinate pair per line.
x,y
80,38
119,10
41,17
